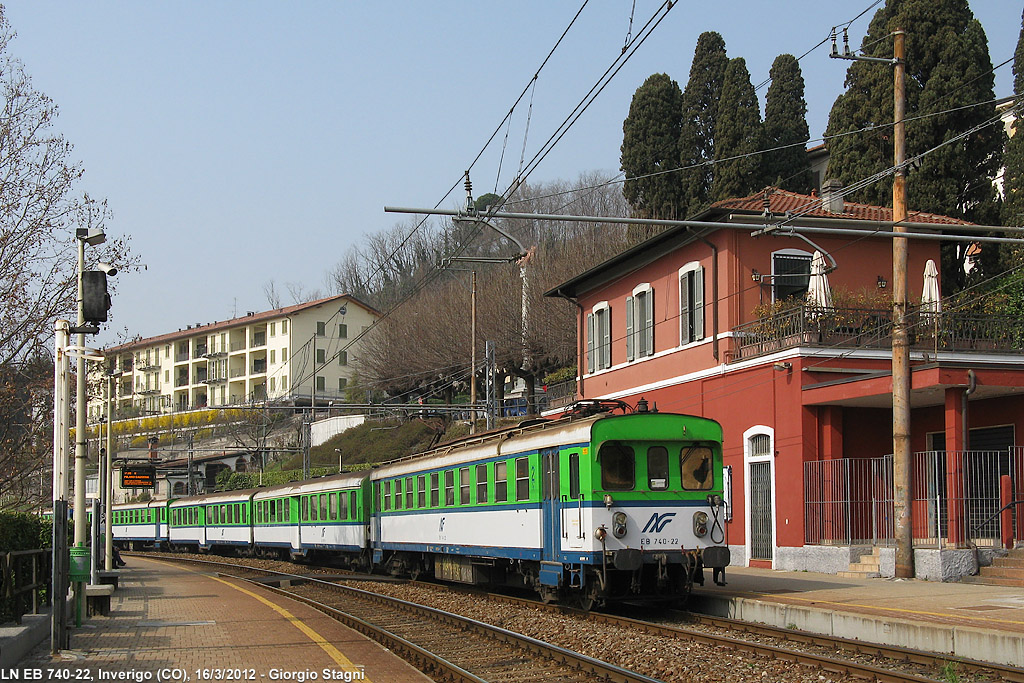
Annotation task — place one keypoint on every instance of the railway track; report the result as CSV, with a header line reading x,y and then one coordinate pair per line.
x,y
446,646
840,658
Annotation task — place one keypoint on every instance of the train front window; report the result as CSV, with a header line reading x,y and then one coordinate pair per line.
x,y
696,464
657,468
618,466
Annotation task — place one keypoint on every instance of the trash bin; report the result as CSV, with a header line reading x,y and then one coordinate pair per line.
x,y
80,565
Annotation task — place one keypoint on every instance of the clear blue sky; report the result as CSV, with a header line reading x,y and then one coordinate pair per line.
x,y
244,141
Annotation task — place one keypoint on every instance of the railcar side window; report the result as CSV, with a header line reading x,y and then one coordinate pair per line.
x,y
522,478
696,463
657,468
481,484
323,507
421,491
408,493
434,499
464,486
449,487
574,476
500,482
618,466
305,509
386,487
334,505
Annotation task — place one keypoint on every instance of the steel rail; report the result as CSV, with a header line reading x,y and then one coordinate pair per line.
x,y
861,671
899,654
594,669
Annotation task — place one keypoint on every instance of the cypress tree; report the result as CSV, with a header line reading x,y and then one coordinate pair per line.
x,y
785,126
949,90
650,145
1013,172
700,113
739,136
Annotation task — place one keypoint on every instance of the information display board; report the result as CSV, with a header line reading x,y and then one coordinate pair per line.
x,y
138,477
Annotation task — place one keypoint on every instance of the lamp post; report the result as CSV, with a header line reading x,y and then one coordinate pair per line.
x,y
92,237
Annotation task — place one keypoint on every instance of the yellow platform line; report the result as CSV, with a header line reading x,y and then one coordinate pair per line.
x,y
331,651
772,597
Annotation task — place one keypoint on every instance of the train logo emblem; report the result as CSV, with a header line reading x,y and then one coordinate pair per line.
x,y
658,522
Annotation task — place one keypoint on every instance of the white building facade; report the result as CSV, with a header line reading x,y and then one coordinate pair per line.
x,y
294,355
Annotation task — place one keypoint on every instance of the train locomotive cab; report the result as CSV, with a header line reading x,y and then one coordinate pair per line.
x,y
639,510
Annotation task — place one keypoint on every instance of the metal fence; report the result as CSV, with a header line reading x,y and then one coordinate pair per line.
x,y
955,498
24,583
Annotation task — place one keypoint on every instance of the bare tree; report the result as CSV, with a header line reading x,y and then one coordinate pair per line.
x,y
40,208
424,343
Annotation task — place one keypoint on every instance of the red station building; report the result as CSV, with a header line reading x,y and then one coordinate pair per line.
x,y
723,323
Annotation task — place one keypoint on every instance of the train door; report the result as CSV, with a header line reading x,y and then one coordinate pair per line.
x,y
551,508
572,501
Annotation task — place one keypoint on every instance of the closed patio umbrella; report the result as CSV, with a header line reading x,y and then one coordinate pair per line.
x,y
931,300
819,294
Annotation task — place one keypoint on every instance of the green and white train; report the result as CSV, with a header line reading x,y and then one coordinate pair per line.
x,y
587,507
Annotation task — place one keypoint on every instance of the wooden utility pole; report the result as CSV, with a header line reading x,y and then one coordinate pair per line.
x,y
901,460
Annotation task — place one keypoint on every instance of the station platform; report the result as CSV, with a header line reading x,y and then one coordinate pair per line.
x,y
972,621
185,624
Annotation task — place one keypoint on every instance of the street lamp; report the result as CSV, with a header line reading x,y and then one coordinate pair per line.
x,y
92,237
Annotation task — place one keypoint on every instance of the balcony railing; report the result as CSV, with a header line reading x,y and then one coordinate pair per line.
x,y
872,328
237,346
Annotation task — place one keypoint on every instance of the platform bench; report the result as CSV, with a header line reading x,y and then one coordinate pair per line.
x,y
97,599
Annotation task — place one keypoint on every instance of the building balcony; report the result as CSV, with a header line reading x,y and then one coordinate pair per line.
x,y
148,367
214,380
259,367
259,339
181,357
237,346
199,351
237,372
213,353
148,392
846,328
181,382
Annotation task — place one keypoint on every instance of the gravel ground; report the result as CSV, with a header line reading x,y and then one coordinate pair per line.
x,y
666,658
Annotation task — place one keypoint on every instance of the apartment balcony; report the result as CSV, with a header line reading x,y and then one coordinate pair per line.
x,y
213,353
214,380
200,376
259,339
148,392
148,367
808,326
181,381
199,351
181,357
237,372
259,367
237,346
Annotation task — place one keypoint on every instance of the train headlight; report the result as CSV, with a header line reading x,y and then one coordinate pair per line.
x,y
619,524
700,524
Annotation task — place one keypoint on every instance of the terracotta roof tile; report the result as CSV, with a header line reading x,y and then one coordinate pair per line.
x,y
782,201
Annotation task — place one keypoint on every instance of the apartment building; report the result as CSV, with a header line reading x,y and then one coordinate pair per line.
x,y
260,356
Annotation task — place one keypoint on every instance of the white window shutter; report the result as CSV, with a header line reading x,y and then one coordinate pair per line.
x,y
649,323
630,352
590,342
698,304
